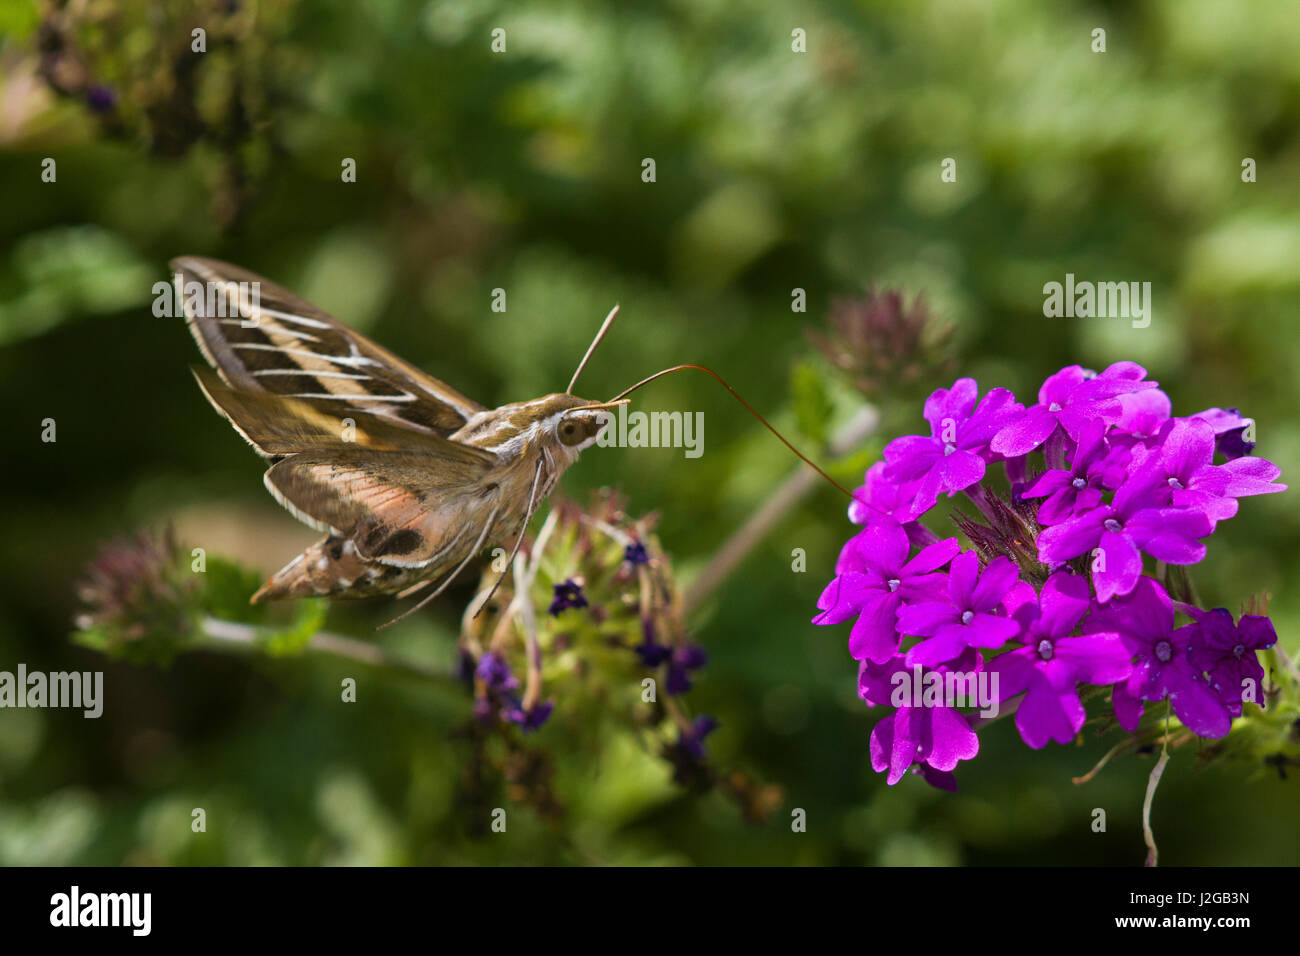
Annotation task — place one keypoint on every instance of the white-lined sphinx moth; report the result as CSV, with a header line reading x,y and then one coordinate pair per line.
x,y
408,478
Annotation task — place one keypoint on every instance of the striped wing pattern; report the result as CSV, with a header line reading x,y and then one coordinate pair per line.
x,y
271,340
400,501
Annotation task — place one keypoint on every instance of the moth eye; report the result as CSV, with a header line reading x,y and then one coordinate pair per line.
x,y
570,433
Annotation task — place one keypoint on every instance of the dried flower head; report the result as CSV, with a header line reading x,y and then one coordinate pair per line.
x,y
880,342
136,593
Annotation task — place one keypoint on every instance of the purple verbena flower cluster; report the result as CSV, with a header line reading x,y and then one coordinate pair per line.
x,y
1051,598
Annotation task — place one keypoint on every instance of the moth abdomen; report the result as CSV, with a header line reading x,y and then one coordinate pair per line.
x,y
332,568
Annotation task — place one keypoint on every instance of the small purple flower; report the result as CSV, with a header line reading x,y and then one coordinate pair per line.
x,y
1227,653
935,737
530,719
1230,431
635,553
567,594
1096,467
495,672
685,658
1070,399
691,742
1050,665
101,98
970,617
1144,621
952,457
873,579
651,652
1119,532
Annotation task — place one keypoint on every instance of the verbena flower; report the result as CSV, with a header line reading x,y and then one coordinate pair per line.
x,y
873,578
1096,467
970,616
1227,653
1230,431
1162,666
1053,660
937,737
1070,399
952,457
1118,534
1053,600
881,497
1181,472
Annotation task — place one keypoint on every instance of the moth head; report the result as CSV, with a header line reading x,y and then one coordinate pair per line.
x,y
579,427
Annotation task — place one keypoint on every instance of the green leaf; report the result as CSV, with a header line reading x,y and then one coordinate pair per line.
x,y
226,589
308,618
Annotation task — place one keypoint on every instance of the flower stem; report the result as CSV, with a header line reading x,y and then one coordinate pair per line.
x,y
1147,833
1156,772
224,634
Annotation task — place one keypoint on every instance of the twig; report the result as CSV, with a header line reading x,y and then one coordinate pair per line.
x,y
1147,834
248,636
1127,742
1156,772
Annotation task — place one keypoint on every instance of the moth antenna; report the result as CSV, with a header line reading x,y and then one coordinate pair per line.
x,y
749,408
604,327
449,578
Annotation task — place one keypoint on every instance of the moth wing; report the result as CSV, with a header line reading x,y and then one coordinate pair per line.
x,y
277,426
261,337
399,508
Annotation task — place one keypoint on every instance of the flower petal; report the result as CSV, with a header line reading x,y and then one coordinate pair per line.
x,y
1025,433
951,739
1169,534
1117,567
933,557
875,636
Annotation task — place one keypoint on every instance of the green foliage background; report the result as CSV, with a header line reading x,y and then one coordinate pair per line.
x,y
521,171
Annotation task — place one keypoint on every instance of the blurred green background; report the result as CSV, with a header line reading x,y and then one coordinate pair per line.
x,y
521,170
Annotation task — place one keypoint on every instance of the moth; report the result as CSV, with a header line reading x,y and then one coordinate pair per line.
x,y
407,478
